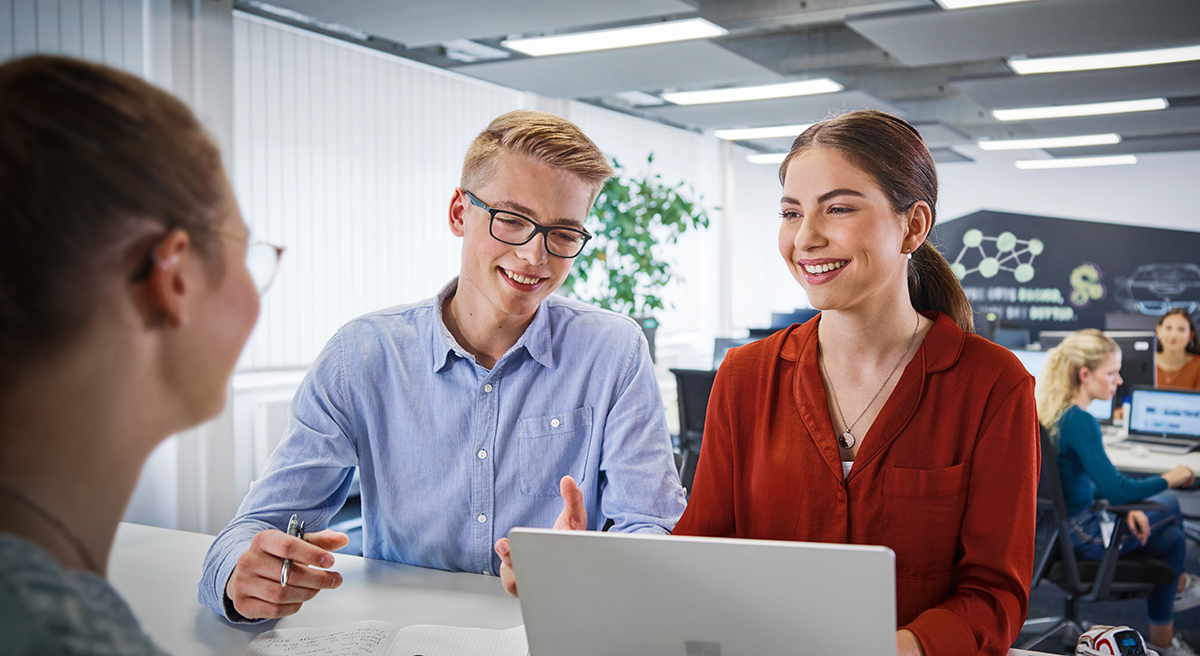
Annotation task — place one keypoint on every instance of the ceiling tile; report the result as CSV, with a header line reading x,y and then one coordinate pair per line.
x,y
649,68
1164,144
1168,80
1049,27
426,23
1172,120
778,111
948,156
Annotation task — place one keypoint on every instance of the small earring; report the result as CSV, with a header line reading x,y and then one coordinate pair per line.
x,y
908,252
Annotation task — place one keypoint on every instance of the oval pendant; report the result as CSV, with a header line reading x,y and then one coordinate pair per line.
x,y
846,440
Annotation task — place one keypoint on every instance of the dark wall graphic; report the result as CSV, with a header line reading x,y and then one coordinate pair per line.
x,y
1042,273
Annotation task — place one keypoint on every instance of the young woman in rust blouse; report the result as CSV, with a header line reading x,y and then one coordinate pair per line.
x,y
883,420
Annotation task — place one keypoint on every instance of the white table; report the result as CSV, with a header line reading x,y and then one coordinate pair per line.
x,y
1149,462
157,571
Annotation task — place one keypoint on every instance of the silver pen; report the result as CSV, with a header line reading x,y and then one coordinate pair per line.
x,y
295,529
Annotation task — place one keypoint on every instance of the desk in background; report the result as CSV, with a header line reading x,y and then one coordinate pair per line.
x,y
1153,462
157,570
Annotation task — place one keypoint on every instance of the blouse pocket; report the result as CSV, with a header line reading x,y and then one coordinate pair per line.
x,y
551,447
923,513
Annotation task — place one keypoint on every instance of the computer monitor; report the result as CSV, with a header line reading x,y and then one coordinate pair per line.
x,y
1035,361
1137,356
1165,413
721,346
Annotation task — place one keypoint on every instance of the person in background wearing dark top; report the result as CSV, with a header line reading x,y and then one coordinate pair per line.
x,y
1086,367
1178,347
883,420
125,300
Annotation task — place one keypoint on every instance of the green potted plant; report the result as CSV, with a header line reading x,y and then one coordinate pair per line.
x,y
623,268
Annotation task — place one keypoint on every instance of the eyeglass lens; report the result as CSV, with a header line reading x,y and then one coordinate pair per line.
x,y
515,229
263,262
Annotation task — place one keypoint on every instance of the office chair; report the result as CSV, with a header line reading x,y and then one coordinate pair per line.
x,y
1112,577
693,387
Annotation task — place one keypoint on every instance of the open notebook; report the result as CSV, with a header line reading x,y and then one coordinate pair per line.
x,y
376,638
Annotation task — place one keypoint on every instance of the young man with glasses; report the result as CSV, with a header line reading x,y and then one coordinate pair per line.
x,y
495,404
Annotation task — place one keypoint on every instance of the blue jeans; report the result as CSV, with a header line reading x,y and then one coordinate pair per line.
x,y
1167,543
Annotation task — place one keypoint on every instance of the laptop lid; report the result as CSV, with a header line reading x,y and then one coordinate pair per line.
x,y
1165,413
587,593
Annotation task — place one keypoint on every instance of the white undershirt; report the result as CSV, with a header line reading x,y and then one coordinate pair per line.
x,y
846,465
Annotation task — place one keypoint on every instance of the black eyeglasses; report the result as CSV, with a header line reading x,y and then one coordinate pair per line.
x,y
516,230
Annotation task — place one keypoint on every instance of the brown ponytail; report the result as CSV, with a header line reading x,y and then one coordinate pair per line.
x,y
894,153
933,286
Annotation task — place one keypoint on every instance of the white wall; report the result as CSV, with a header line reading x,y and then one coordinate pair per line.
x,y
108,31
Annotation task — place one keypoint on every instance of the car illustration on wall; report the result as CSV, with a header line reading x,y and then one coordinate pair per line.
x,y
1156,289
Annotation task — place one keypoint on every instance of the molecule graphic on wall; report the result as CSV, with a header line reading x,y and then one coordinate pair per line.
x,y
1008,255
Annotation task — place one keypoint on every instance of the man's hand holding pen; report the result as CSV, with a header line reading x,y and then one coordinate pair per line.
x,y
255,588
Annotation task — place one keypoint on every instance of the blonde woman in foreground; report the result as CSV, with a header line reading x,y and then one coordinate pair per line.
x,y
1084,368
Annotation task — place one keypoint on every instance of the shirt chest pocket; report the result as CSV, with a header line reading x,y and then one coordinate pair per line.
x,y
923,515
551,447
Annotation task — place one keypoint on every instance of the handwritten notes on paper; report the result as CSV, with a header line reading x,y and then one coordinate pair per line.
x,y
374,638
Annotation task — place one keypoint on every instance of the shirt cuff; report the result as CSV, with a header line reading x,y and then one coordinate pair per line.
x,y
942,633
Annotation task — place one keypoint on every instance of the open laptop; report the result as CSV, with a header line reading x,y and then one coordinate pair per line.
x,y
587,593
1165,419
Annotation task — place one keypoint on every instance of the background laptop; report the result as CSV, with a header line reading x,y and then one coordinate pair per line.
x,y
1165,417
588,593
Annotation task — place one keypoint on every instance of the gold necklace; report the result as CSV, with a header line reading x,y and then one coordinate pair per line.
x,y
846,439
58,524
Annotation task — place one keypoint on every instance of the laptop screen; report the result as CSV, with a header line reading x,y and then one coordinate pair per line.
x,y
1165,412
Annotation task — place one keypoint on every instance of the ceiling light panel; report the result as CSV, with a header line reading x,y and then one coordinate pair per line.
x,y
1075,162
742,94
622,37
1107,60
1091,109
1052,142
737,134
966,4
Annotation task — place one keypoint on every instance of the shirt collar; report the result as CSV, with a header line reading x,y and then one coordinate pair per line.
x,y
536,340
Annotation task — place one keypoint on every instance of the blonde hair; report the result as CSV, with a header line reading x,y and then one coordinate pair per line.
x,y
543,136
1058,383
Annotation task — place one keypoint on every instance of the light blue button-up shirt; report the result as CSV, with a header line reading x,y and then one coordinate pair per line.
x,y
452,455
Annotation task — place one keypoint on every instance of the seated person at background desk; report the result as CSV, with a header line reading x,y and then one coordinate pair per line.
x,y
1086,367
883,420
463,412
1177,359
124,302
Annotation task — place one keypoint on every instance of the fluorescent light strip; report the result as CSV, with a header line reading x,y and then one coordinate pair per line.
x,y
739,94
964,4
1093,109
771,132
1052,142
1074,162
621,37
1108,60
766,158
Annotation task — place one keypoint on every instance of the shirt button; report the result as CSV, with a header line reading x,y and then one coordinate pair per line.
x,y
554,423
482,454
487,388
482,518
486,573
840,497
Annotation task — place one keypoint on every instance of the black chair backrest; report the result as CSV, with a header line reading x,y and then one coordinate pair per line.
x,y
693,387
1050,487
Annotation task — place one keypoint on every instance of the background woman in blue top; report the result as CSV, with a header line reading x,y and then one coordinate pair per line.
x,y
1084,368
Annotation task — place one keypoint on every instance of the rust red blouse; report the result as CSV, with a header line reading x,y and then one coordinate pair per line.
x,y
946,476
